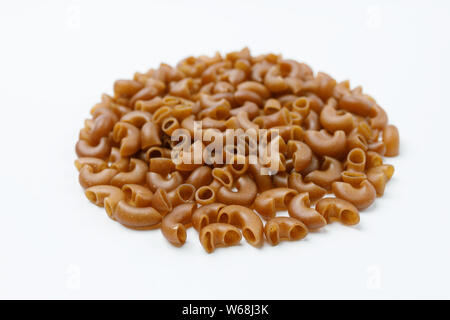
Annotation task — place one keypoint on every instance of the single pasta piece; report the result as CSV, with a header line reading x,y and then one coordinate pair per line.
x,y
219,235
338,209
174,224
205,215
361,196
284,228
245,219
299,208
269,202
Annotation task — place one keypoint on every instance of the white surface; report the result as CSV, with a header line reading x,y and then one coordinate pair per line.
x,y
56,59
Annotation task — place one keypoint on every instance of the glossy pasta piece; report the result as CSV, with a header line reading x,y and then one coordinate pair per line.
x,y
96,163
269,202
296,182
379,176
88,177
391,140
244,196
333,119
137,195
217,235
284,229
129,137
166,182
135,175
184,193
324,144
356,160
205,215
174,224
105,196
161,202
330,171
136,217
301,154
100,150
299,208
361,196
245,219
150,135
201,176
338,209
205,195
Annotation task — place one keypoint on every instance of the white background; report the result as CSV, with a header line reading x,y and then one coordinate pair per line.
x,y
57,57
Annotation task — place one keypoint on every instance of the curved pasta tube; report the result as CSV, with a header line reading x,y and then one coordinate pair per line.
x,y
88,177
324,144
162,166
95,163
137,195
301,107
136,217
101,127
271,106
361,196
269,202
224,176
219,235
338,209
280,118
129,137
299,208
295,181
391,140
249,107
135,175
126,88
378,176
330,171
169,125
284,228
301,154
157,152
280,180
312,121
105,196
333,119
205,215
174,224
205,195
201,176
168,182
161,202
244,196
150,135
184,193
244,121
137,118
356,160
380,120
359,104
356,140
378,147
101,150
353,177
245,219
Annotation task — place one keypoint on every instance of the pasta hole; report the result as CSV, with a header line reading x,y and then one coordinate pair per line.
x,y
186,192
273,235
297,232
231,237
287,199
181,234
349,217
204,221
205,193
208,242
224,218
249,235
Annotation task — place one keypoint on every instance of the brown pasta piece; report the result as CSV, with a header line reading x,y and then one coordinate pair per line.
x,y
88,177
299,208
296,182
205,215
174,224
105,196
338,209
284,228
391,140
324,144
219,235
244,196
245,219
361,196
269,202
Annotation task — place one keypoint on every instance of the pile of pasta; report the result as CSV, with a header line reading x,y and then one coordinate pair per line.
x,y
332,141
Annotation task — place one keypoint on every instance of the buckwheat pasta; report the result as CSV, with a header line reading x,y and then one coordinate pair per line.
x,y
226,142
